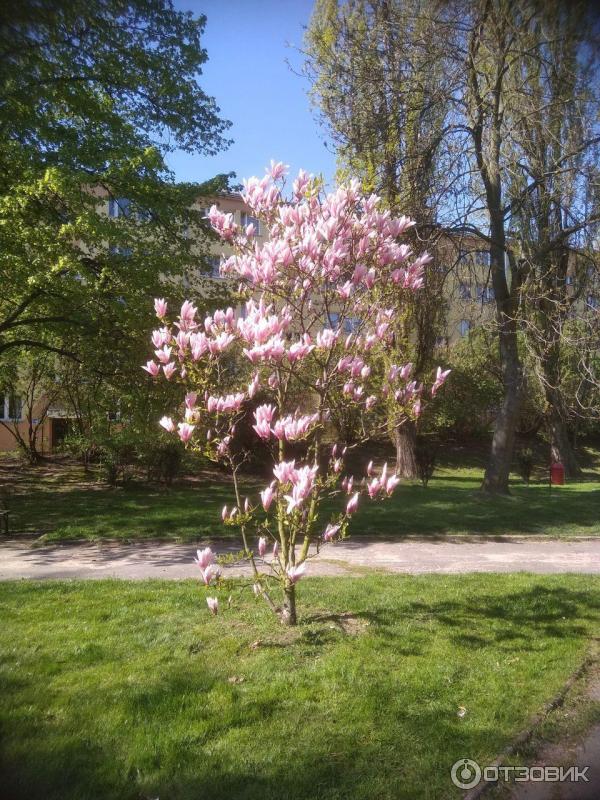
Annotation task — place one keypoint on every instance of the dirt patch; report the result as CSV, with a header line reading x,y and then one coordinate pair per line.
x,y
349,624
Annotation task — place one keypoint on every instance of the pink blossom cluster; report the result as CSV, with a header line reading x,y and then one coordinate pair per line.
x,y
383,484
289,428
208,568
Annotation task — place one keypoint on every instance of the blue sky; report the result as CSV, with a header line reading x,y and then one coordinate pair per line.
x,y
247,74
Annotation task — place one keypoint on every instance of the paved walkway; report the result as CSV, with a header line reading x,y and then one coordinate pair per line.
x,y
21,559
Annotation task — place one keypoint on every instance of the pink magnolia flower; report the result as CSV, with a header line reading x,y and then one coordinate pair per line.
x,y
277,169
262,546
267,496
330,532
285,471
352,504
220,343
327,338
223,447
295,573
293,428
198,345
263,416
440,379
167,423
378,484
152,368
391,483
222,223
406,371
302,485
160,337
275,550
373,487
301,349
225,405
187,315
253,385
205,558
210,573
345,291
185,431
347,484
164,354
169,370
213,605
190,400
300,184
160,307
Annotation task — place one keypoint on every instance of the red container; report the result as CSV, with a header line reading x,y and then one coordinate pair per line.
x,y
557,474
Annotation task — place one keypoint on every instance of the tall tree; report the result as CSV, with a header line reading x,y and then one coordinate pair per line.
x,y
93,96
379,80
553,198
527,66
507,79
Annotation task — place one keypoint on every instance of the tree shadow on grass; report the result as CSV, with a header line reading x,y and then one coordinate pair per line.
x,y
258,744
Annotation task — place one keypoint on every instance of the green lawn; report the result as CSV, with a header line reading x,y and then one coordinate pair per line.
x,y
132,691
65,508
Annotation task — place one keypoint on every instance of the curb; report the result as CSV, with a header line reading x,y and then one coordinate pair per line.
x,y
526,734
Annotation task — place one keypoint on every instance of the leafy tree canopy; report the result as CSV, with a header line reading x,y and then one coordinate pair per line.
x,y
93,96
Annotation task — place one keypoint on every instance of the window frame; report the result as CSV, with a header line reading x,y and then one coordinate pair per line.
x,y
5,403
248,219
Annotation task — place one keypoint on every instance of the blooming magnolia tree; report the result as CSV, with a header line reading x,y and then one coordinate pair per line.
x,y
312,332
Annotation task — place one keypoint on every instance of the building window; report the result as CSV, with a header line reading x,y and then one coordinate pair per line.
x,y
480,258
214,263
464,291
485,294
464,327
247,219
333,320
351,324
119,250
593,301
119,207
11,407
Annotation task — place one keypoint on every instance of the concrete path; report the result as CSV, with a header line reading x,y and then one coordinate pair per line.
x,y
21,559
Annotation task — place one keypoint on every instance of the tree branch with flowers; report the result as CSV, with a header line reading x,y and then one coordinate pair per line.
x,y
314,331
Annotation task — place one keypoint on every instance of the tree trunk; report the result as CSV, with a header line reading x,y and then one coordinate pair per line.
x,y
288,613
497,473
404,437
498,469
560,446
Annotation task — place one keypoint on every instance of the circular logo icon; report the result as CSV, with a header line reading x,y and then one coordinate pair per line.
x,y
465,773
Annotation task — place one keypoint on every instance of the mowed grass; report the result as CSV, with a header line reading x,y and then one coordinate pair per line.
x,y
132,690
85,509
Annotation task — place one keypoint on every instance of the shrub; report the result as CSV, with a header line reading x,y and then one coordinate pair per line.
x,y
426,456
525,463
